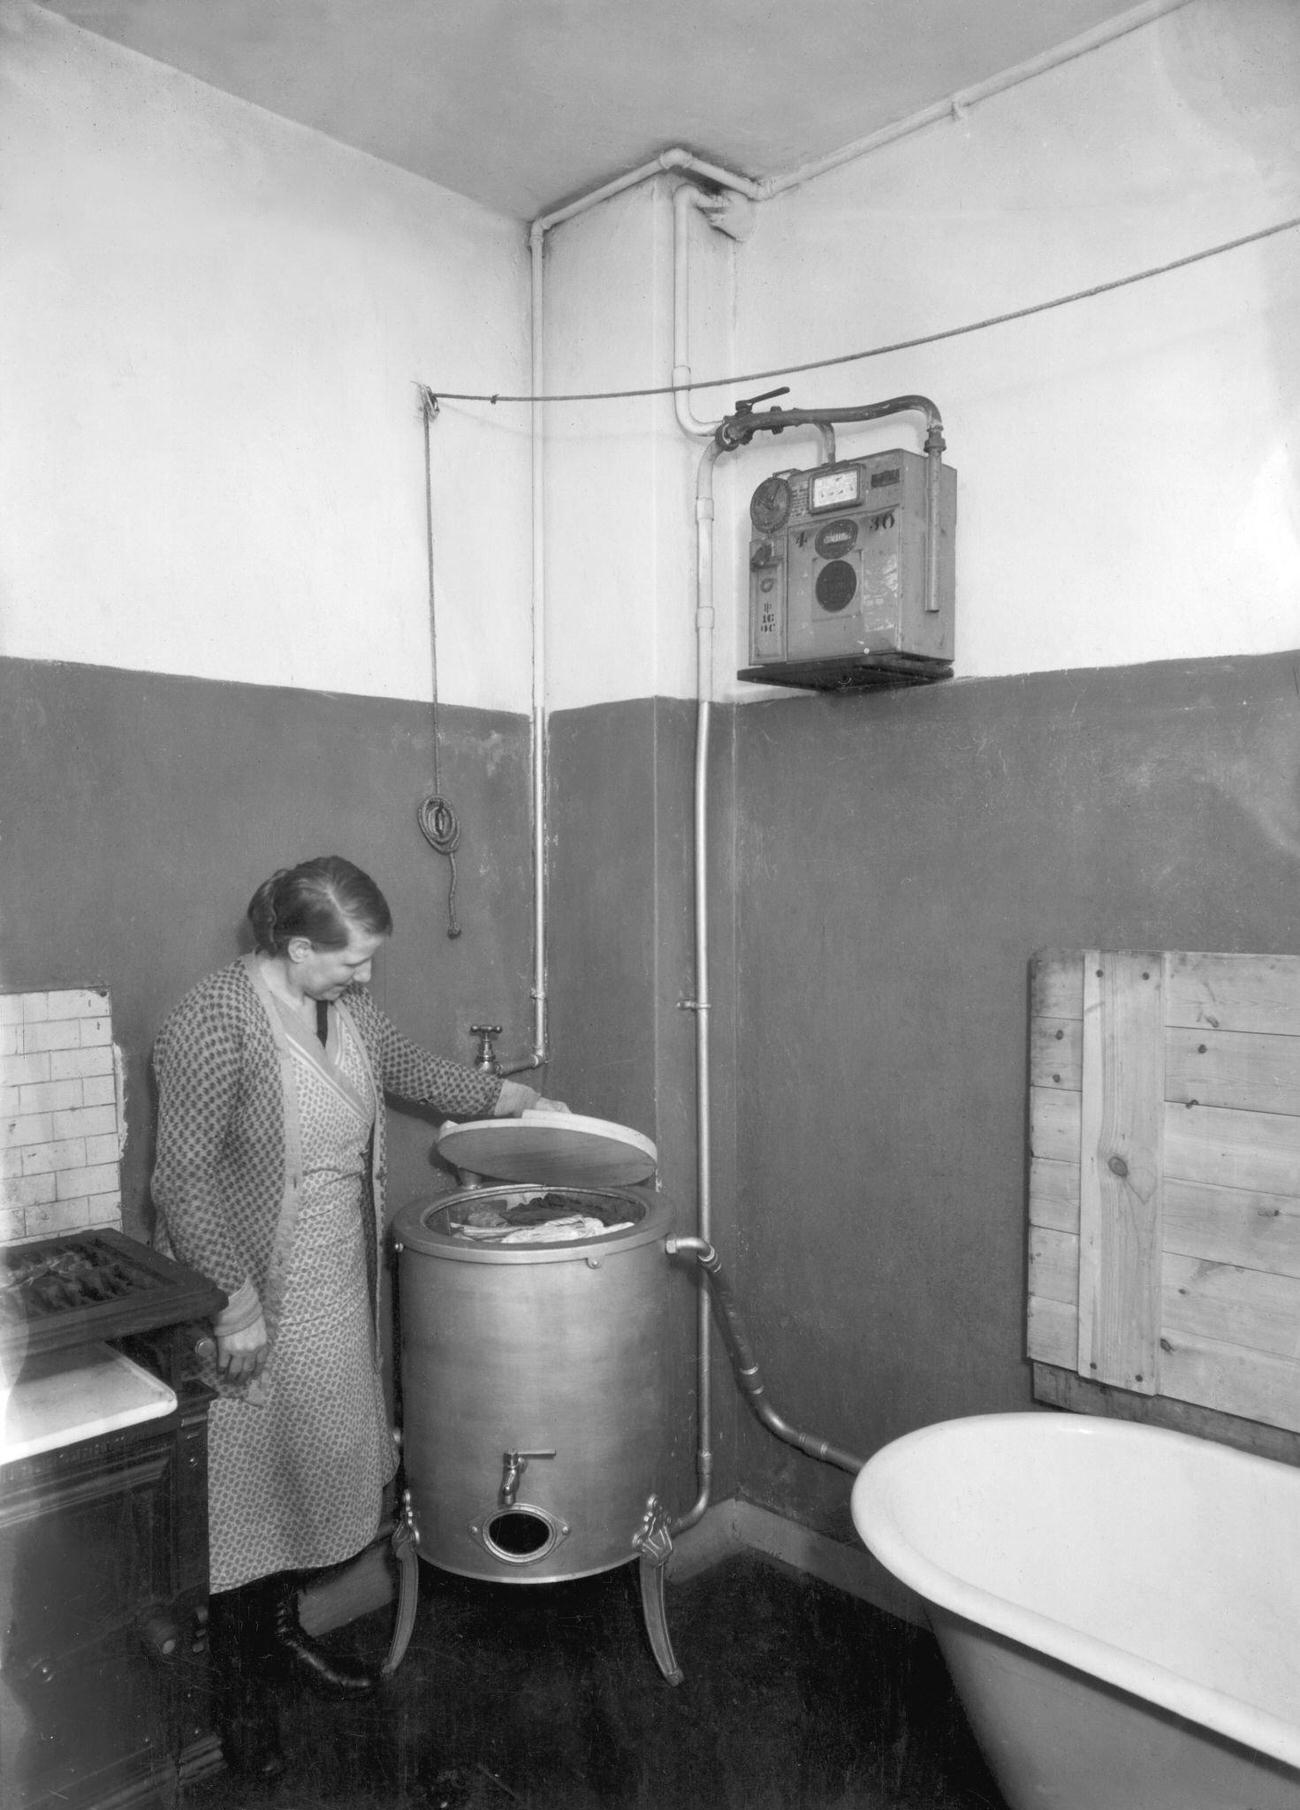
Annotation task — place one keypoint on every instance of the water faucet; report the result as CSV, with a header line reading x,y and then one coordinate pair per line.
x,y
513,1466
485,1057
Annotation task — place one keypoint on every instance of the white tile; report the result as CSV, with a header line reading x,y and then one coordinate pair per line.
x,y
82,1002
104,1210
89,1122
36,1007
44,1159
58,1216
13,1224
65,1064
102,1179
95,1030
27,1190
102,1150
28,1128
19,1071
54,1034
99,1090
11,1008
50,1096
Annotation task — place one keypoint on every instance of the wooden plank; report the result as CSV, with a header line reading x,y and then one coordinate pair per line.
x,y
1256,1071
1056,984
1222,1302
1064,1388
1235,992
1232,1379
1053,1332
1054,1266
1054,1120
1225,1225
1225,1148
1056,1052
1120,1183
1054,1195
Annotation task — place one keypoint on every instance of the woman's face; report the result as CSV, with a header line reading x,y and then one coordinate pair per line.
x,y
325,973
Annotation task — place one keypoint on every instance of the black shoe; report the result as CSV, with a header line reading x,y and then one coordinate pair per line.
x,y
306,1658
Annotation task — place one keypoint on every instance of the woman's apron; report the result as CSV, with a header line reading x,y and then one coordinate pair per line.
x,y
296,1482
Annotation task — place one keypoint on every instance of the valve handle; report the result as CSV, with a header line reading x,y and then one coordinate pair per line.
x,y
485,1057
748,406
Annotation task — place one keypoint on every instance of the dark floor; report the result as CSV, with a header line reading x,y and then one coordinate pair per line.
x,y
796,1697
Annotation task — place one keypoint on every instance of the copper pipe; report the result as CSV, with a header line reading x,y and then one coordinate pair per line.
x,y
745,1364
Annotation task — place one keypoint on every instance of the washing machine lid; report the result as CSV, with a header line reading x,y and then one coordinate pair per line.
x,y
551,1150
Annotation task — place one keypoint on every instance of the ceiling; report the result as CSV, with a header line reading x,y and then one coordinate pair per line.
x,y
524,104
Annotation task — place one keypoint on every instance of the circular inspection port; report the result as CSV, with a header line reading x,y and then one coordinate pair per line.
x,y
835,586
520,1535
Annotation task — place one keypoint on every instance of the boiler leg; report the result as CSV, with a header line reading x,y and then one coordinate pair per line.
x,y
656,1546
656,1622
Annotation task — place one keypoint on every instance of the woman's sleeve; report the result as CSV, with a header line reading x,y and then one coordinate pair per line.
x,y
417,1074
197,1063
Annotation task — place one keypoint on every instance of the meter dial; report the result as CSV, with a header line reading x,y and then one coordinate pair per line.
x,y
835,489
769,507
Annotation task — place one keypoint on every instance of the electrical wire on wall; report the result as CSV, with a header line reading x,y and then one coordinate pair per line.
x,y
437,819
902,345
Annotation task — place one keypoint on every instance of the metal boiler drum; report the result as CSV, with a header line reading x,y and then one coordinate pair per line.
x,y
534,1374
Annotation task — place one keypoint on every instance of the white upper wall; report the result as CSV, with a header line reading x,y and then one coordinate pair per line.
x,y
1127,465
211,453
211,459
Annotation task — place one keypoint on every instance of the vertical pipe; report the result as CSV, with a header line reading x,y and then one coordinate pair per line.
x,y
539,750
701,1004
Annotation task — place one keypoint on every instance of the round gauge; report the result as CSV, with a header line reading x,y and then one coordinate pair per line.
x,y
769,507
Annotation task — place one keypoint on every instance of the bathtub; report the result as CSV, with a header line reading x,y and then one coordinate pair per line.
x,y
1119,1606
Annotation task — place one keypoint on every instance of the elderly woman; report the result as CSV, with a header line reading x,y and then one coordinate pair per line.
x,y
269,1179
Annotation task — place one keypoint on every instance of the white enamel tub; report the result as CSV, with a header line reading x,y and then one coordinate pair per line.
x,y
1119,1606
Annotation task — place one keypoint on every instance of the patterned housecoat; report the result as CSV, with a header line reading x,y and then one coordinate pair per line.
x,y
269,1155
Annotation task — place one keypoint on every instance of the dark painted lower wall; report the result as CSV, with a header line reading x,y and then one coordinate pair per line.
x,y
140,811
901,859
886,866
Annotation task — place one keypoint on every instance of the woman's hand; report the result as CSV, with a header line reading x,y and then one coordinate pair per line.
x,y
516,1098
241,1355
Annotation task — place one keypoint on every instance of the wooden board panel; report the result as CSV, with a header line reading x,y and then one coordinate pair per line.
x,y
1054,1195
1054,1266
1259,1072
1236,992
1054,1124
1258,1151
1063,1388
1164,1190
1053,1332
1056,1052
1226,1304
1056,984
1232,1225
1121,1169
1234,1379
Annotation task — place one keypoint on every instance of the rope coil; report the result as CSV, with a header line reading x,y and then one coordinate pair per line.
x,y
441,828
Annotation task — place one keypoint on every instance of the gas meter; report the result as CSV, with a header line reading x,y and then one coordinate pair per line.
x,y
851,573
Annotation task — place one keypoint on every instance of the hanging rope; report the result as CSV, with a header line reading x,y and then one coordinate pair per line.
x,y
437,819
